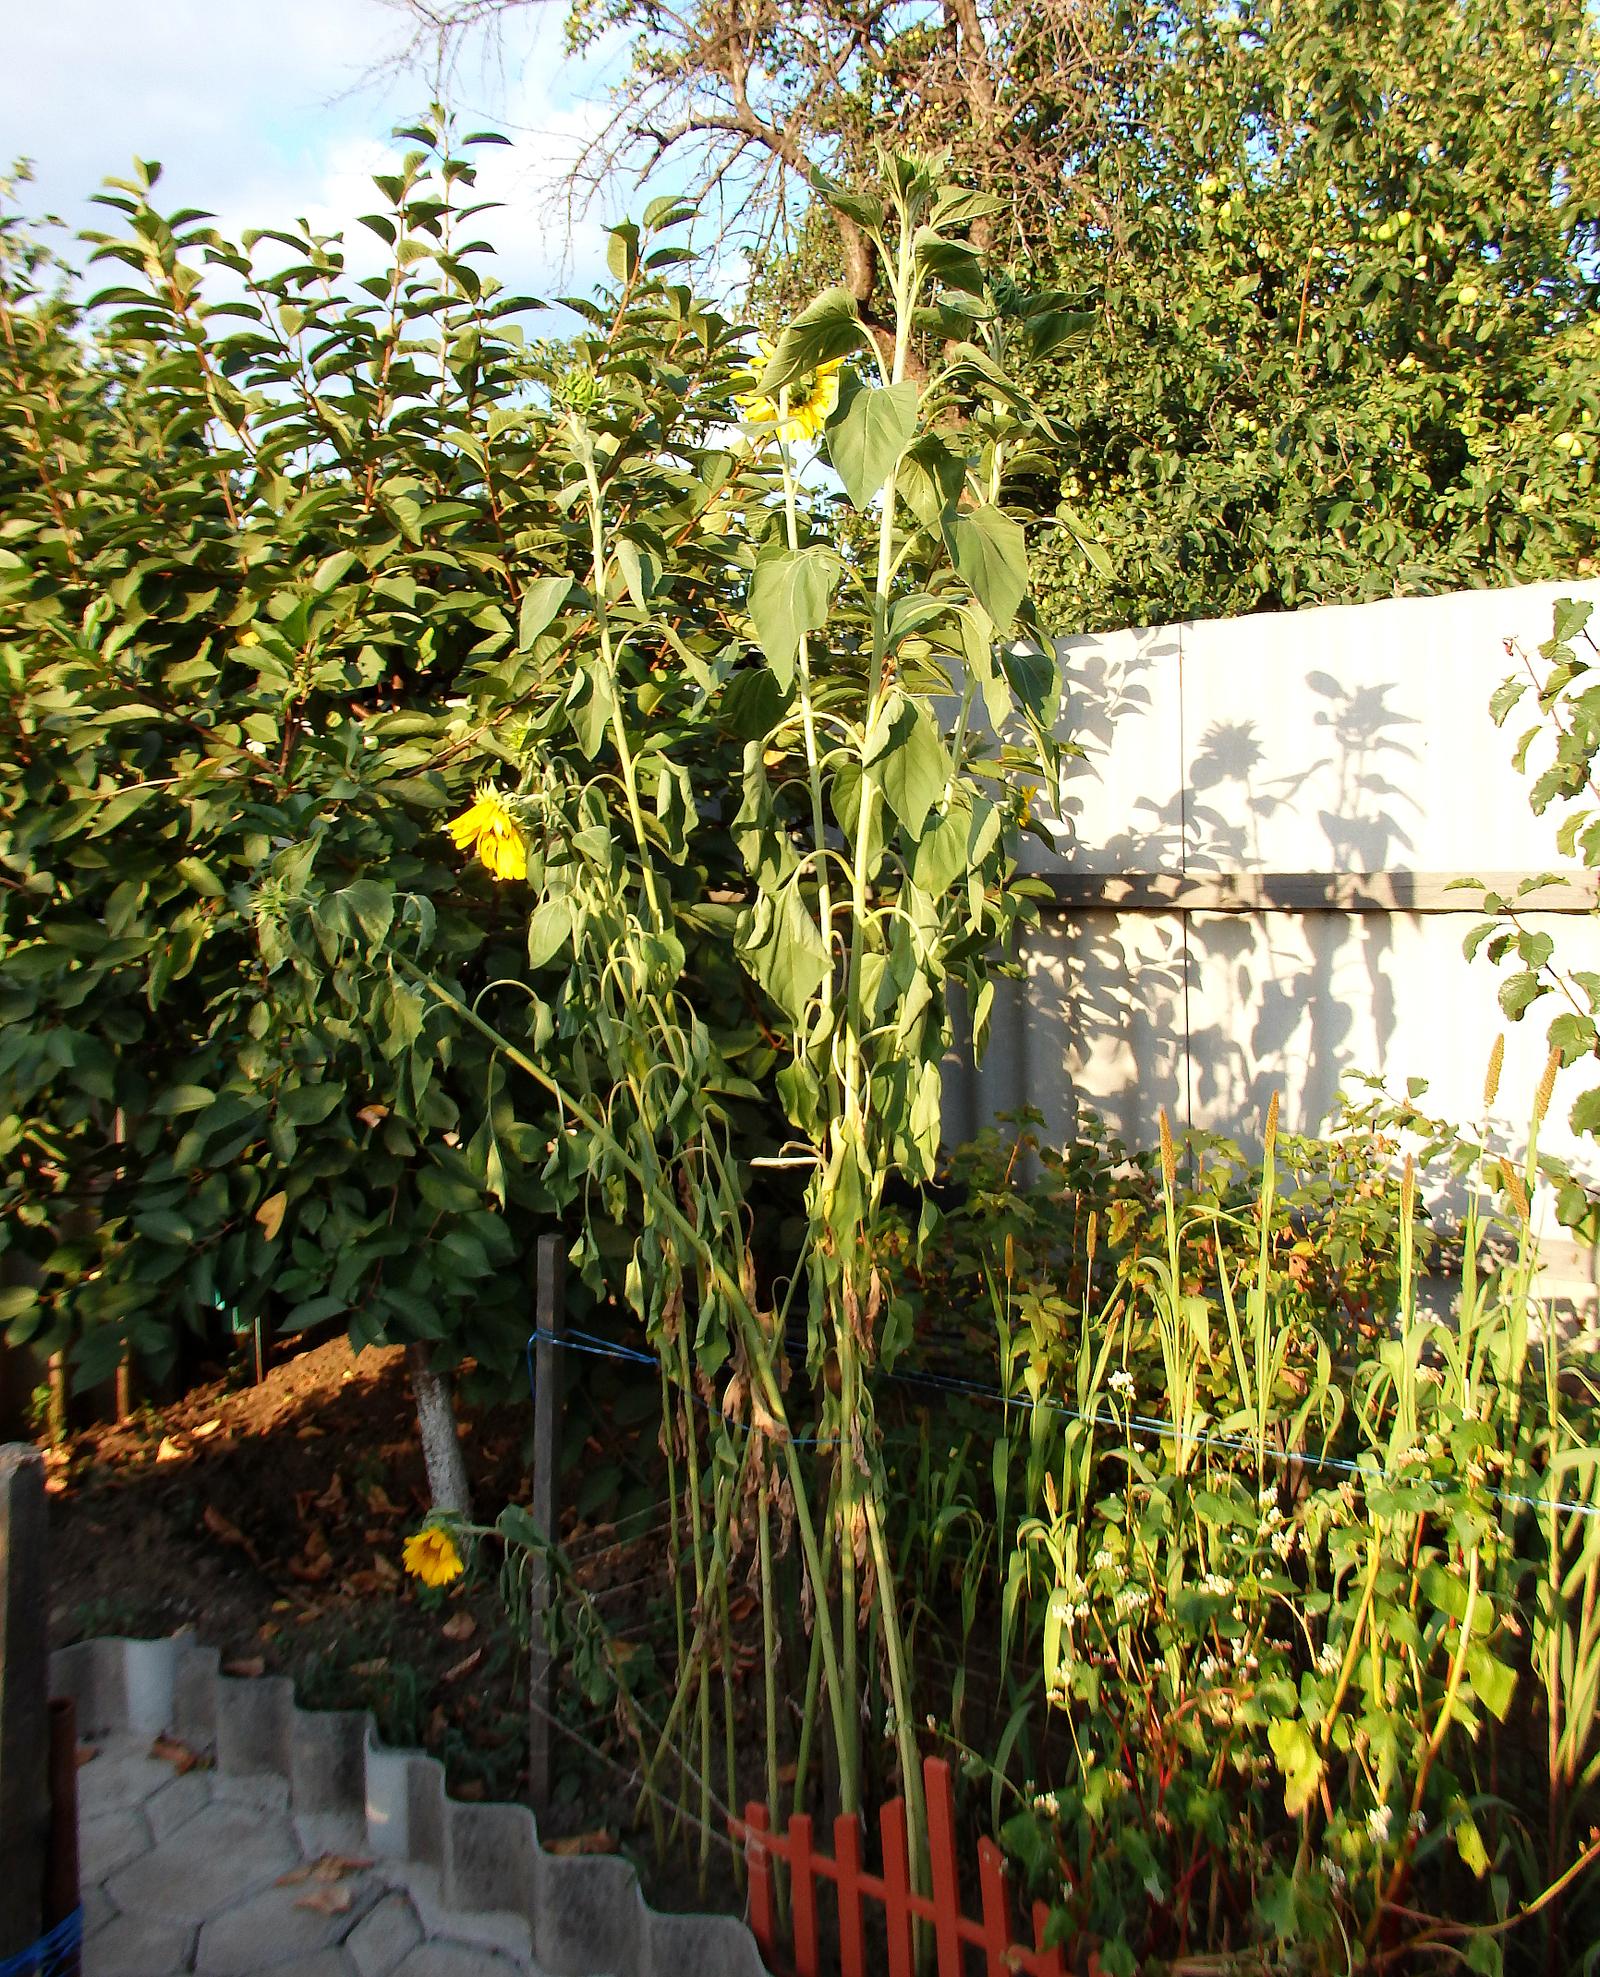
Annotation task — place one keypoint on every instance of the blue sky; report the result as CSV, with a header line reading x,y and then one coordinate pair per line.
x,y
262,110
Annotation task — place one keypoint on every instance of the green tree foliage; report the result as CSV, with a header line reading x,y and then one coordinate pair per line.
x,y
1346,277
285,560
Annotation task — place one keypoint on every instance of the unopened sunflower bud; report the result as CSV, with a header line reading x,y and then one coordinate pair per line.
x,y
1491,1077
1511,1181
1547,1084
1169,1160
1272,1124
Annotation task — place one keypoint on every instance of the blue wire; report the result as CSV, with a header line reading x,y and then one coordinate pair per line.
x,y
1141,1424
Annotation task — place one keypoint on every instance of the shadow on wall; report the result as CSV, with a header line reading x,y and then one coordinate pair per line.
x,y
1204,1014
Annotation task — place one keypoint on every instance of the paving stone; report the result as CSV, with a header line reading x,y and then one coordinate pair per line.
x,y
123,1774
208,1865
177,1801
446,1959
109,1842
271,1929
262,1791
382,1938
98,1908
138,1946
327,1963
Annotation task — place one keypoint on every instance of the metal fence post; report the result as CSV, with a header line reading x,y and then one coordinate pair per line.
x,y
545,1507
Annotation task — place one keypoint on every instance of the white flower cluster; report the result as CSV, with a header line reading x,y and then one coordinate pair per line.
x,y
1122,1384
1329,1659
1130,1600
1335,1873
1105,1561
1282,1542
1379,1820
1215,1583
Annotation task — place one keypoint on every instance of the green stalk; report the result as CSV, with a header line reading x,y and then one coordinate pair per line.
x,y
619,732
728,1508
700,1603
769,1649
802,1756
809,729
900,1684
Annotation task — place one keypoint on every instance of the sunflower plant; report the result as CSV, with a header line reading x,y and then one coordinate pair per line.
x,y
898,712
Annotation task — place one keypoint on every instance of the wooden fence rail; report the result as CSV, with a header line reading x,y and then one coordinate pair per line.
x,y
892,1891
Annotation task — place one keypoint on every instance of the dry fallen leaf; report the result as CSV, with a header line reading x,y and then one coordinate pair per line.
x,y
461,1628
332,1498
373,1115
463,1667
332,1900
270,1214
378,1501
334,1866
207,1429
179,1756
388,1576
267,1630
599,1842
87,1753
309,1433
169,1451
472,1788
741,1606
248,1670
325,1869
369,1668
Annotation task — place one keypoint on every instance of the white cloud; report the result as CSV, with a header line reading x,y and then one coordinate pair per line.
x,y
265,112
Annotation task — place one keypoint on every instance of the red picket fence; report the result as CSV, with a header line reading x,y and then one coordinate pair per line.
x,y
901,1907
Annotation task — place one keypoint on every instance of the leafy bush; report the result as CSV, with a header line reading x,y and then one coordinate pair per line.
x,y
1294,1582
284,574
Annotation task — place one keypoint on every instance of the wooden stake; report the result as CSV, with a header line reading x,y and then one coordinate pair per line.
x,y
545,1506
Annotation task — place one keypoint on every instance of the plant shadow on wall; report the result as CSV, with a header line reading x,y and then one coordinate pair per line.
x,y
1204,1013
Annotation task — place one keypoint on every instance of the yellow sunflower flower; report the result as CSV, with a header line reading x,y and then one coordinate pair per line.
x,y
493,832
431,1556
811,398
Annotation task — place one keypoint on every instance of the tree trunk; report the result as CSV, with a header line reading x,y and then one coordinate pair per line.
x,y
436,1422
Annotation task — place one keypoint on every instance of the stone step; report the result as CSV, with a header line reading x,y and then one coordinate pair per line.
x,y
181,1872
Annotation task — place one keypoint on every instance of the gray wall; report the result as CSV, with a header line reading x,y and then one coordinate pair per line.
x,y
1321,775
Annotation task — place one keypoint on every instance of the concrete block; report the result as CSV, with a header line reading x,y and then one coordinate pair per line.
x,y
327,1758
252,1725
489,1858
471,1890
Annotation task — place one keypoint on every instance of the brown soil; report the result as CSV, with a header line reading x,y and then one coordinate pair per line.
x,y
270,1519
